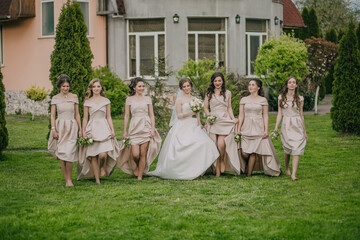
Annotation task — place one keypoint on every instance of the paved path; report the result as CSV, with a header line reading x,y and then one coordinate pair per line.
x,y
323,107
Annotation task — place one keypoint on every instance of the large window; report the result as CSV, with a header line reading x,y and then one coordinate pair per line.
x,y
47,20
256,35
84,5
207,39
1,47
146,49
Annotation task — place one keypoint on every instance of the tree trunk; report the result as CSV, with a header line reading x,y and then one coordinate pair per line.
x,y
316,99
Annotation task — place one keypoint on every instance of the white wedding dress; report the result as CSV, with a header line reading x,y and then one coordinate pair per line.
x,y
187,151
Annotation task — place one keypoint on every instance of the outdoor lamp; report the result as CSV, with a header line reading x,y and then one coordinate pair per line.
x,y
276,20
176,18
237,19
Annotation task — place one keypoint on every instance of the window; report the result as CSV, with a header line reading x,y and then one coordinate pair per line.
x,y
1,47
207,39
146,50
256,35
47,21
84,5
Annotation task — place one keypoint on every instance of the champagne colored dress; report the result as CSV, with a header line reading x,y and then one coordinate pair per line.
x,y
187,151
292,129
65,148
224,125
139,133
99,131
252,131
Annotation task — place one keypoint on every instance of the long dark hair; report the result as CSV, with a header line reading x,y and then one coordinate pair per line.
x,y
133,83
63,78
211,88
258,83
285,90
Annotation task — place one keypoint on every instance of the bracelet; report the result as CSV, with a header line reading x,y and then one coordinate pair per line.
x,y
52,128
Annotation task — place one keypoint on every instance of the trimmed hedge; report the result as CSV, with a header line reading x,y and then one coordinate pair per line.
x,y
4,136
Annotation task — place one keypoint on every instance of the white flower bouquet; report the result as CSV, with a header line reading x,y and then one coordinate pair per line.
x,y
274,135
196,105
126,142
211,119
237,137
85,141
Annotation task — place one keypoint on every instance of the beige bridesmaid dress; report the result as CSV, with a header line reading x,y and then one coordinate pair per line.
x,y
139,133
292,129
99,131
252,131
224,125
65,148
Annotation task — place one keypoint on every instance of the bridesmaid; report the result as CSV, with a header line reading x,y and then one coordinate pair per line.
x,y
144,138
66,128
253,127
293,133
99,158
222,130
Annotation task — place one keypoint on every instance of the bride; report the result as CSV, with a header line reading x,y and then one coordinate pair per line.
x,y
187,151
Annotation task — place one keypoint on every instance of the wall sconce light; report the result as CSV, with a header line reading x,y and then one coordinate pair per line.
x,y
276,20
281,23
176,18
237,19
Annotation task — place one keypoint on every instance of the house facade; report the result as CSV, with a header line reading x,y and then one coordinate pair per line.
x,y
153,31
27,38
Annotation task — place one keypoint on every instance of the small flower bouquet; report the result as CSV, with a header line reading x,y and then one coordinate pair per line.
x,y
274,135
196,105
238,137
126,142
211,119
85,141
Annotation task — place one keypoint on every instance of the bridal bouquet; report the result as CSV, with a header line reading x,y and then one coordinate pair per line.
x,y
238,137
274,135
126,142
195,105
85,141
211,119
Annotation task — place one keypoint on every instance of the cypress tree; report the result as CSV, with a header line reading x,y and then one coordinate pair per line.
x,y
304,32
330,35
313,24
345,112
340,35
72,54
4,139
358,35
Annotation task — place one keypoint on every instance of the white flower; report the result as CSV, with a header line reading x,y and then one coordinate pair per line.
x,y
90,140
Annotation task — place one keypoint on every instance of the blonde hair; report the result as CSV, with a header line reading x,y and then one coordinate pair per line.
x,y
89,92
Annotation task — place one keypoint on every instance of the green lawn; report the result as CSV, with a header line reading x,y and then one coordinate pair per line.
x,y
324,204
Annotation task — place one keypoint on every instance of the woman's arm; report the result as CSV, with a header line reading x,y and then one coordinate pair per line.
x,y
126,120
53,121
179,113
152,119
85,121
265,110
278,117
241,116
302,117
109,120
206,106
77,118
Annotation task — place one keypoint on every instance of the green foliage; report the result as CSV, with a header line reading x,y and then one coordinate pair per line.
x,y
341,34
200,73
36,93
358,34
115,89
238,86
331,36
322,90
329,78
303,33
313,24
309,99
72,54
345,112
4,139
278,59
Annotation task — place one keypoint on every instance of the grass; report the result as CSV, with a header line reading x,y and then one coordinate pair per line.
x,y
324,204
